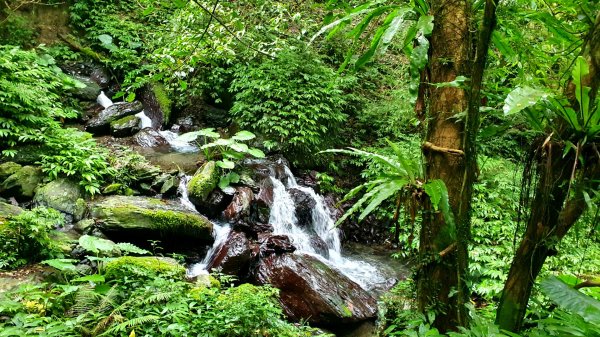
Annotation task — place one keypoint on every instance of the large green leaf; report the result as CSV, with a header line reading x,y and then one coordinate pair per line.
x,y
62,264
126,247
571,299
96,245
244,135
387,190
582,93
521,98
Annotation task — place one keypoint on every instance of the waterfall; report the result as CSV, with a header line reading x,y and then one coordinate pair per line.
x,y
183,194
104,100
145,121
284,221
220,233
178,145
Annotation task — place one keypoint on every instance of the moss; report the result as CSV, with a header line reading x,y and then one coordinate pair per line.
x,y
143,266
24,182
164,102
203,182
169,221
123,121
7,169
346,311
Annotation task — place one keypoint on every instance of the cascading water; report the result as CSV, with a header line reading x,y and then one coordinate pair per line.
x,y
284,221
145,121
170,136
104,100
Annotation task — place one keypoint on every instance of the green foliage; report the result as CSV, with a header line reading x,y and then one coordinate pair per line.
x,y
228,151
16,30
159,307
26,237
76,154
296,103
30,89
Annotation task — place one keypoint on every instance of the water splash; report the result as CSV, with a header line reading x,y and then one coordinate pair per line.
x,y
145,121
178,145
104,100
183,193
220,234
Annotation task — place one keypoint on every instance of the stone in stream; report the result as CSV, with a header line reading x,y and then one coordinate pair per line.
x,y
275,244
215,203
89,91
125,127
138,219
234,257
23,183
150,138
264,200
203,183
252,229
239,207
157,104
310,290
100,124
63,195
305,204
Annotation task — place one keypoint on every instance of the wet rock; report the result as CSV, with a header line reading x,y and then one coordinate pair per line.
x,y
100,124
23,183
151,138
63,195
273,166
275,244
252,229
100,76
202,184
84,226
138,219
215,204
310,290
157,104
7,169
319,246
89,91
240,205
263,201
304,204
125,127
234,256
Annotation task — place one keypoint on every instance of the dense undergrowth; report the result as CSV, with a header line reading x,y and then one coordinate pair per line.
x,y
260,69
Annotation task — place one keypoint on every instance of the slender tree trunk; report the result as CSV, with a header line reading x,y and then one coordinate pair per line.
x,y
551,215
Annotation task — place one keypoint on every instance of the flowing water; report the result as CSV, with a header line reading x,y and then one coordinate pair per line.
x,y
104,100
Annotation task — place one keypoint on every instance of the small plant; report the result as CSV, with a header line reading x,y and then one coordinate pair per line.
x,y
26,237
226,151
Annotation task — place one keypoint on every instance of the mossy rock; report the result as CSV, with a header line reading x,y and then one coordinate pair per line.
x,y
64,195
138,219
23,183
202,183
143,267
125,126
163,100
7,169
7,210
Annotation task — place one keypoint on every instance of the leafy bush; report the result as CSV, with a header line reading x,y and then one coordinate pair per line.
x,y
16,30
26,237
30,89
76,154
293,99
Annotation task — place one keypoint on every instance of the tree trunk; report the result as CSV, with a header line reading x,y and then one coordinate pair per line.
x,y
551,217
439,277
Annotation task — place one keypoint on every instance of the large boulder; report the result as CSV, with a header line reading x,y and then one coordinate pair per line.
x,y
23,183
234,256
311,290
63,195
100,124
8,169
215,203
157,104
7,210
239,207
203,183
138,219
89,90
125,127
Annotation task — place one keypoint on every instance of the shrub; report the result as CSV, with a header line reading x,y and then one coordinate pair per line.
x,y
293,99
26,237
30,89
75,154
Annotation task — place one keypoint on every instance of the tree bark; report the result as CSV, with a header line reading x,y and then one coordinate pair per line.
x,y
439,277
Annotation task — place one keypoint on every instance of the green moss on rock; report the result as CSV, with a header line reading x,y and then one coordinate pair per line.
x,y
203,182
23,183
164,102
154,218
143,266
8,169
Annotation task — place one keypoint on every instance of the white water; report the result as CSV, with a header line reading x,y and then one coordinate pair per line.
x,y
284,221
104,100
169,136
